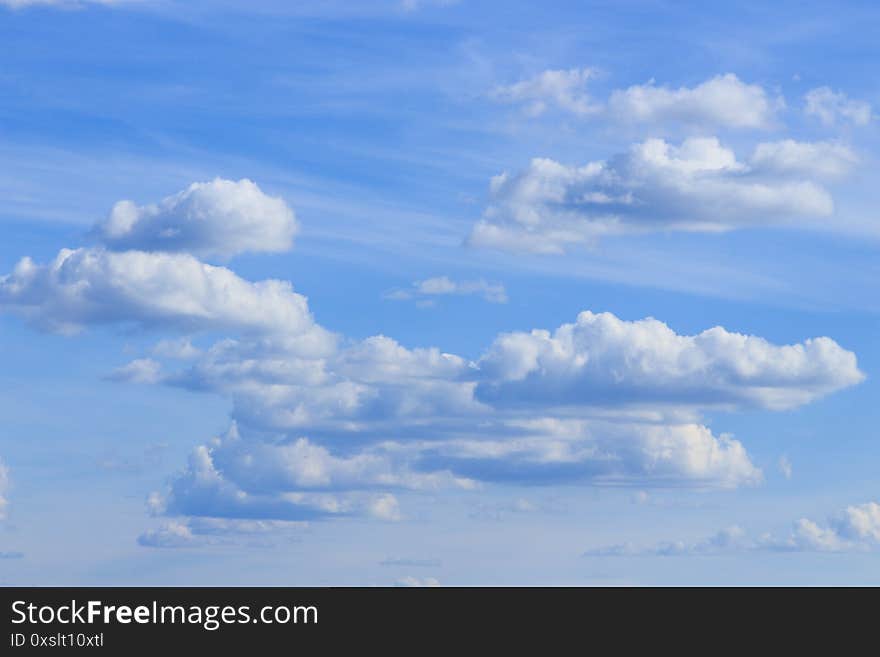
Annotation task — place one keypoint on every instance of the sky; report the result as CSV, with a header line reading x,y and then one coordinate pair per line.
x,y
439,292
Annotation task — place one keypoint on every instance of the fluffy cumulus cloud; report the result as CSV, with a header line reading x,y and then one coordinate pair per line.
x,y
815,159
856,529
423,292
602,359
563,90
835,107
601,401
202,490
723,101
86,286
552,450
220,218
327,427
172,534
720,101
698,185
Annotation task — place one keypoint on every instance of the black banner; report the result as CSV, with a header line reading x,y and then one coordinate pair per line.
x,y
119,621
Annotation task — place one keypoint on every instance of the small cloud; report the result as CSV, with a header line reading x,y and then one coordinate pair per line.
x,y
142,370
723,100
500,511
411,563
857,529
179,349
385,507
416,582
208,531
221,218
425,292
564,90
833,107
732,538
415,5
785,466
170,535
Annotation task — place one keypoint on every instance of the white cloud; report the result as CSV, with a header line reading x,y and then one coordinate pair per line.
x,y
171,534
861,523
820,159
378,387
200,532
220,218
278,385
557,89
300,465
723,101
235,478
697,186
445,286
856,529
177,348
600,401
832,107
141,370
385,507
410,581
551,450
249,477
730,539
601,359
334,428
407,562
94,286
785,467
226,526
423,419
502,510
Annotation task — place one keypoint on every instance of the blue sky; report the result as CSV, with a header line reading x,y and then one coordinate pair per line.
x,y
438,292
